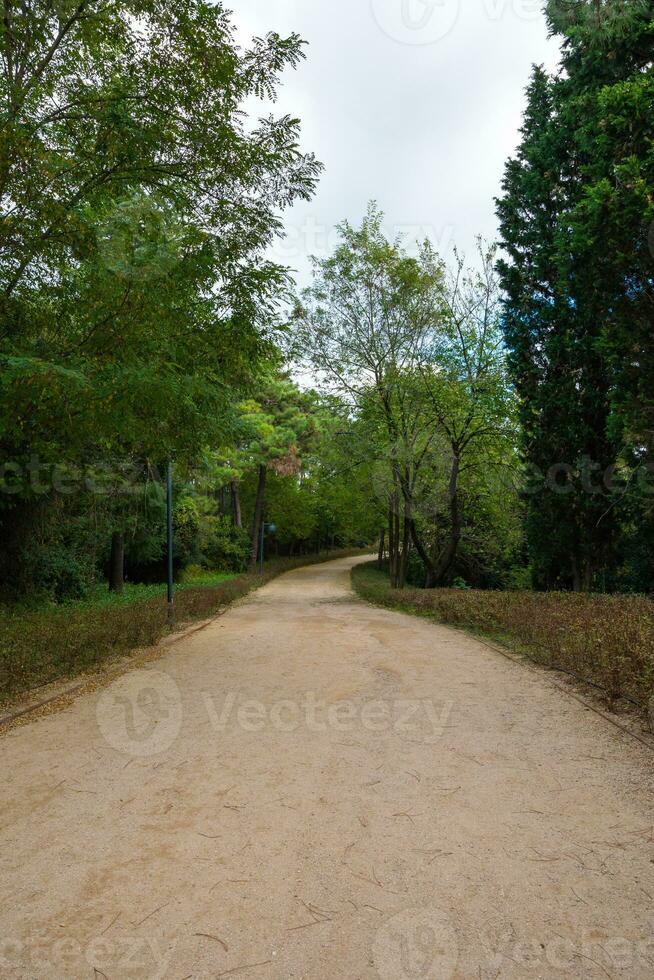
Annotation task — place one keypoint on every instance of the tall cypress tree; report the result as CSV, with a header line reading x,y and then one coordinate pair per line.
x,y
578,278
607,101
607,246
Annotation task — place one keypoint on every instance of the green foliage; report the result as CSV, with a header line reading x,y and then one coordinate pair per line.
x,y
291,505
195,575
59,573
136,303
224,546
417,353
576,217
186,528
137,204
274,427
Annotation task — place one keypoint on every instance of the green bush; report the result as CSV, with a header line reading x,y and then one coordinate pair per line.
x,y
226,547
58,573
187,530
606,640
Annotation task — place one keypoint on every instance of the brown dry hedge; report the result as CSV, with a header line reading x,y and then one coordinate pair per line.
x,y
39,647
604,640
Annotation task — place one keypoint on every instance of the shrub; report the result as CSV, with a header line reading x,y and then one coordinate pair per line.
x,y
605,640
40,646
226,548
58,573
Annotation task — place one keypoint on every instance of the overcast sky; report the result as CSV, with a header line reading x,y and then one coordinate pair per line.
x,y
415,103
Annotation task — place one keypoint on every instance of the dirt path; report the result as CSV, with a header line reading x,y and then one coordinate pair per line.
x,y
315,788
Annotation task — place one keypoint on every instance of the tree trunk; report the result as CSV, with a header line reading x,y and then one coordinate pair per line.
x,y
236,503
392,548
437,569
117,562
424,557
258,515
399,541
380,553
406,545
582,575
448,554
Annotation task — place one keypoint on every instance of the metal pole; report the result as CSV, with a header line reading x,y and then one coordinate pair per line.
x,y
169,526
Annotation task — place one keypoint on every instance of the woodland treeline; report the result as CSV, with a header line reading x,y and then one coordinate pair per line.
x,y
486,420
577,233
139,316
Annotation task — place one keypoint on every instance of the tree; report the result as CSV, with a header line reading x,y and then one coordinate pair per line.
x,y
364,326
419,358
560,375
468,405
607,245
274,430
136,204
577,202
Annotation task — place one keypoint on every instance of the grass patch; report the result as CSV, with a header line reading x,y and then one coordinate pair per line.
x,y
39,646
603,640
100,596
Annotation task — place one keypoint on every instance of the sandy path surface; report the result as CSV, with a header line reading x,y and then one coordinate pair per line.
x,y
313,787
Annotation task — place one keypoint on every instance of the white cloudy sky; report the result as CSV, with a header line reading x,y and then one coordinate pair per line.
x,y
415,103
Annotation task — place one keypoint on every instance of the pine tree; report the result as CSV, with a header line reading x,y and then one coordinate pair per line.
x,y
609,249
560,380
609,104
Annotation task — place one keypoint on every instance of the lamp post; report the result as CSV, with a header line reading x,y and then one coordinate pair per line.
x,y
271,528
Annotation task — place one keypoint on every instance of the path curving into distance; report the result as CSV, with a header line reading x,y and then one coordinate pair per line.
x,y
312,787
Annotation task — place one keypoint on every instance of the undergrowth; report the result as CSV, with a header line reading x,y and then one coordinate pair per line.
x,y
603,640
44,645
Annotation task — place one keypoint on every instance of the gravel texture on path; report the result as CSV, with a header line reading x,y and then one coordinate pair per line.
x,y
312,787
